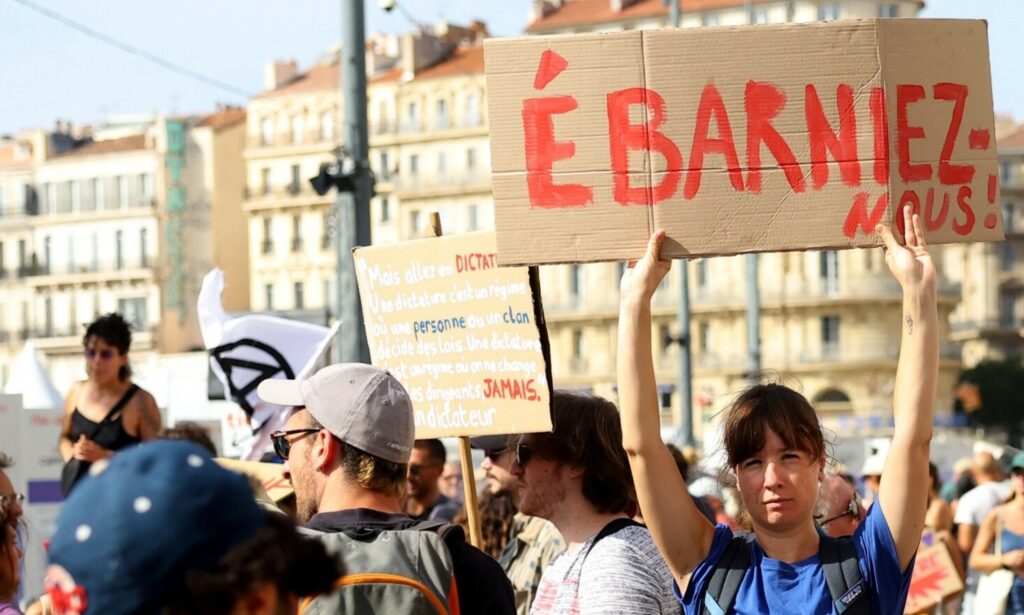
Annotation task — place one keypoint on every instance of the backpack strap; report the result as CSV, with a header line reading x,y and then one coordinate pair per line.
x,y
842,575
728,574
610,528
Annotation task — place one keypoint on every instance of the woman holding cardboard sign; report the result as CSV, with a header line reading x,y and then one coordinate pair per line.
x,y
777,454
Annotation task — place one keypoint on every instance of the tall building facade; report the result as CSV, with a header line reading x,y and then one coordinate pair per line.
x,y
128,219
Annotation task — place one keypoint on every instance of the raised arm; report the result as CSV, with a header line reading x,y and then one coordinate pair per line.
x,y
681,532
903,494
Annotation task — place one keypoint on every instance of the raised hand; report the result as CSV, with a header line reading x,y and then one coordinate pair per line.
x,y
87,450
910,263
642,277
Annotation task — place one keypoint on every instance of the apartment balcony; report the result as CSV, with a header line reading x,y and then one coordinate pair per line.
x,y
1008,326
299,194
125,270
315,136
427,185
811,292
110,205
67,339
389,132
814,357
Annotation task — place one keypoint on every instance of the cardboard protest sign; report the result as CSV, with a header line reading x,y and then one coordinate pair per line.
x,y
269,476
935,576
740,139
466,338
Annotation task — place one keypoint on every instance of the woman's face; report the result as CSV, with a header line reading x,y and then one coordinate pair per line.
x,y
103,362
779,486
1017,481
10,556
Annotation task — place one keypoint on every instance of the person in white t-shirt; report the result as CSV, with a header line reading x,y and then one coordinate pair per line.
x,y
974,506
577,477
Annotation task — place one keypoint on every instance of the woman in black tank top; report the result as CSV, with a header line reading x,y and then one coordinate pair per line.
x,y
106,412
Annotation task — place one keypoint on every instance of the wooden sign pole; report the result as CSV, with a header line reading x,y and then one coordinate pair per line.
x,y
465,452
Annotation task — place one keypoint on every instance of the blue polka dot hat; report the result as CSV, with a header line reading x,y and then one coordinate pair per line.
x,y
132,529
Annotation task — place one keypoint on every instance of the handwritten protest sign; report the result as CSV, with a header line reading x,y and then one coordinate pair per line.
x,y
464,336
740,139
935,576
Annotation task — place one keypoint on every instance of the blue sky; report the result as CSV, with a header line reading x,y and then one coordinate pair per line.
x,y
50,71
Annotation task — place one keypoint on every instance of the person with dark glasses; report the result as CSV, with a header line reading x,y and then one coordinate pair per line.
x,y
106,412
840,509
534,542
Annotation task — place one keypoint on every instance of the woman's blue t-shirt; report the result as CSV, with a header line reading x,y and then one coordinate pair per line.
x,y
773,586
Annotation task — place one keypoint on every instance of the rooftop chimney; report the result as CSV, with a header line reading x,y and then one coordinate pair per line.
x,y
278,73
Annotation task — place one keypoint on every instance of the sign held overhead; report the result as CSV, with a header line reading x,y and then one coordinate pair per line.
x,y
465,337
744,139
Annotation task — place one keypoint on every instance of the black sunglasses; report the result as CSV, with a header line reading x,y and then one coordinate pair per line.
x,y
282,445
853,510
494,453
523,454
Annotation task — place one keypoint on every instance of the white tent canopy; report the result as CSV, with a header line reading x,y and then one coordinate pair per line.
x,y
30,379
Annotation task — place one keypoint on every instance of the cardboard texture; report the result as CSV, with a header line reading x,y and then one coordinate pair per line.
x,y
460,333
740,139
934,577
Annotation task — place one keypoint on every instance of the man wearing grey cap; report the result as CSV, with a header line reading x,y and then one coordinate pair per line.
x,y
535,541
347,449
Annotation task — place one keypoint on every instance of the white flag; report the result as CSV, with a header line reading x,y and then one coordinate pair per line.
x,y
247,350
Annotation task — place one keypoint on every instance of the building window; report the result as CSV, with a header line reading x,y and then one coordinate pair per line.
x,y
1008,217
1006,172
146,188
297,129
325,227
134,311
51,197
577,343
266,131
268,243
702,273
474,218
268,296
828,11
300,300
46,254
665,398
414,165
414,223
412,113
1007,257
441,114
119,250
664,340
472,110
442,164
3,270
705,338
76,196
71,254
327,126
828,265
888,10
385,209
123,192
830,337
327,293
144,247
296,184
575,281
471,159
265,181
759,16
384,170
95,262
709,19
98,195
296,233
48,317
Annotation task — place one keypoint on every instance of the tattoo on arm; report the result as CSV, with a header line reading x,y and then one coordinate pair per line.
x,y
150,420
910,325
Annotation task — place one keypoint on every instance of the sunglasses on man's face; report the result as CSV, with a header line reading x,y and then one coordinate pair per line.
x,y
92,353
282,445
415,469
523,455
853,510
495,453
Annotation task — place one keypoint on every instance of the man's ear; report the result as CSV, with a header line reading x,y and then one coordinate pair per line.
x,y
326,450
576,471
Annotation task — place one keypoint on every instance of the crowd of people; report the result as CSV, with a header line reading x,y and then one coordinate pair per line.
x,y
597,516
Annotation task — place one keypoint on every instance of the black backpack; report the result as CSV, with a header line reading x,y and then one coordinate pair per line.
x,y
838,562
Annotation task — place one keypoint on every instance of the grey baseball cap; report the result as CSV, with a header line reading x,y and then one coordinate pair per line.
x,y
362,405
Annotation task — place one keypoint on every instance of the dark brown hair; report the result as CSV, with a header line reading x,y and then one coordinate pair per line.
x,y
587,434
114,330
497,520
776,407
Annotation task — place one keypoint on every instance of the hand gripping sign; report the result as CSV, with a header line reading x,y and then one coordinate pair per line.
x,y
745,139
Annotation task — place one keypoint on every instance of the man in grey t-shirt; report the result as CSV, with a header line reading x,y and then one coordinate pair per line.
x,y
578,478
